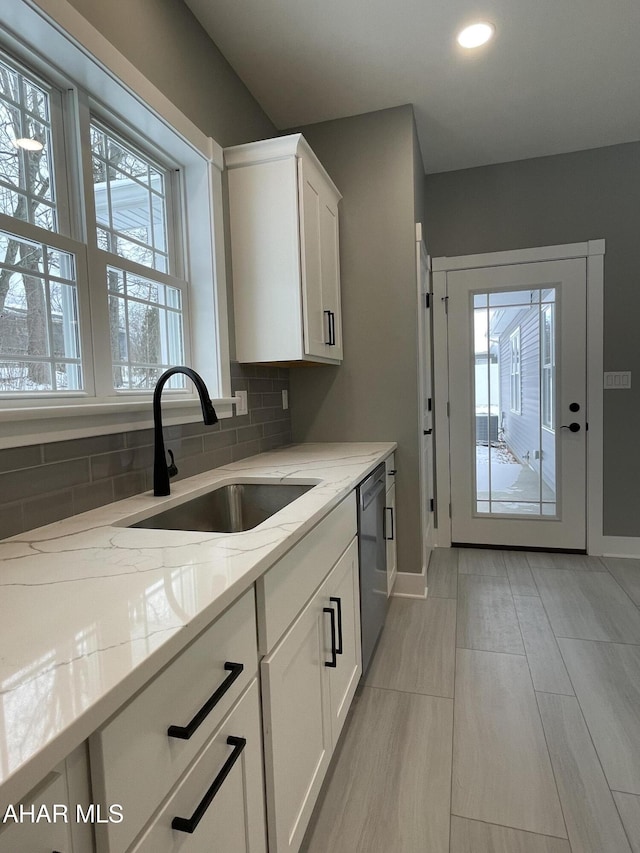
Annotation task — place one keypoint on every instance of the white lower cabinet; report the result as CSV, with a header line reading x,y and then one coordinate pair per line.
x,y
37,834
308,681
219,805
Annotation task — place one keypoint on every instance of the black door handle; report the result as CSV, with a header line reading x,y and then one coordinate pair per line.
x,y
574,427
189,824
185,732
338,601
334,653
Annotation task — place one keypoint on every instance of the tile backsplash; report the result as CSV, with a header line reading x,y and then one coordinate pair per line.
x,y
46,482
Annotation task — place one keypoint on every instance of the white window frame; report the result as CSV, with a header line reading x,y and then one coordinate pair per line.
x,y
515,373
55,29
548,370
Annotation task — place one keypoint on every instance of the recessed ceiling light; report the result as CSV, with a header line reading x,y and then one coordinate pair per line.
x,y
28,144
476,34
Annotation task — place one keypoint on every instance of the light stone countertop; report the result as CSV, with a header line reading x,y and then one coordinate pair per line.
x,y
90,610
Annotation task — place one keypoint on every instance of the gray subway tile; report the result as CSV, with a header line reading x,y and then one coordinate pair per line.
x,y
19,485
240,383
276,427
219,439
129,484
120,462
234,423
272,399
273,441
249,433
203,462
91,495
14,458
254,401
247,448
46,509
261,416
11,519
260,386
80,447
139,438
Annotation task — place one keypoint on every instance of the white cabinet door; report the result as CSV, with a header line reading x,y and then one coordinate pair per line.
x,y
317,325
37,834
297,725
342,593
390,536
330,274
230,766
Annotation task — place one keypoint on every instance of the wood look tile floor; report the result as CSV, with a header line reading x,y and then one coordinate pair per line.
x,y
501,715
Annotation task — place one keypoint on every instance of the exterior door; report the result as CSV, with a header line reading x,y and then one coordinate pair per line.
x,y
517,393
425,399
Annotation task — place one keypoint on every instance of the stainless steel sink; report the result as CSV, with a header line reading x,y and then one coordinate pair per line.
x,y
228,509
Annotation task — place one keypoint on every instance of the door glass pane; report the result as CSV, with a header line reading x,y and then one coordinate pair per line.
x,y
514,402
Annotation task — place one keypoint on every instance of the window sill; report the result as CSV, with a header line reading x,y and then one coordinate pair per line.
x,y
22,426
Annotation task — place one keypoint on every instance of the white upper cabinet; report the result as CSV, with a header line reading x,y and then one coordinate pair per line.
x,y
283,213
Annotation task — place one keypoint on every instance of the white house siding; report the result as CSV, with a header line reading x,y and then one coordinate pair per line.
x,y
522,431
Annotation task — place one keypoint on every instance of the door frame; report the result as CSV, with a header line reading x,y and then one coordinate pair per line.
x,y
593,251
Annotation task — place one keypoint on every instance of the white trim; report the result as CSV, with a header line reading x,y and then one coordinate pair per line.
x,y
593,251
41,426
520,256
410,585
595,403
442,537
619,546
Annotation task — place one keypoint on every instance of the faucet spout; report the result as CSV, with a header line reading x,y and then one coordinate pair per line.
x,y
160,470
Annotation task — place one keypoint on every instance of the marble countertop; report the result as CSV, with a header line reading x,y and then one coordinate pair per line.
x,y
90,610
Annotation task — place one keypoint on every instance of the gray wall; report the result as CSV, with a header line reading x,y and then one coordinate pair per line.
x,y
164,40
372,396
563,199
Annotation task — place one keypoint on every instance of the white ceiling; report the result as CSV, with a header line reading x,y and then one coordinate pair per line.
x,y
560,75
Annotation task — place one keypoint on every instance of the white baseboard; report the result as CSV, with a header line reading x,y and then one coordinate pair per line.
x,y
620,546
411,585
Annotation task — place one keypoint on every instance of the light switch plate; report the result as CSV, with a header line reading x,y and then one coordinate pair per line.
x,y
618,380
242,407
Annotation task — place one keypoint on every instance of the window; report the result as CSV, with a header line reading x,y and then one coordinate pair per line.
x,y
548,362
515,387
95,302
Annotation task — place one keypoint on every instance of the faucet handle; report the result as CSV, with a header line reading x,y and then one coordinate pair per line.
x,y
172,469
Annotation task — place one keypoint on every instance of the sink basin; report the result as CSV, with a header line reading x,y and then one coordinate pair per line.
x,y
228,509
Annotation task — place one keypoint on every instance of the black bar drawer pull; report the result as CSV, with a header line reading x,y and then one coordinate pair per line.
x,y
338,601
185,732
390,509
334,654
189,824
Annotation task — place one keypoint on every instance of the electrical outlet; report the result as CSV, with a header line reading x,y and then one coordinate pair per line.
x,y
242,407
285,399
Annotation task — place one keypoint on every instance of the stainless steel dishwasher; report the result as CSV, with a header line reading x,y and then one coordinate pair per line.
x,y
372,552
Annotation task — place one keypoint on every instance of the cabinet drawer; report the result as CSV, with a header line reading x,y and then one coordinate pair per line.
x,y
234,821
134,761
41,837
284,590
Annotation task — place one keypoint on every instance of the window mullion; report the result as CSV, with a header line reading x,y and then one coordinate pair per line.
x,y
96,267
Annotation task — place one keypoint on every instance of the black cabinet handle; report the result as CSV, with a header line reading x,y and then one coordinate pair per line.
x,y
384,532
185,732
333,329
328,313
392,472
334,654
189,824
338,602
